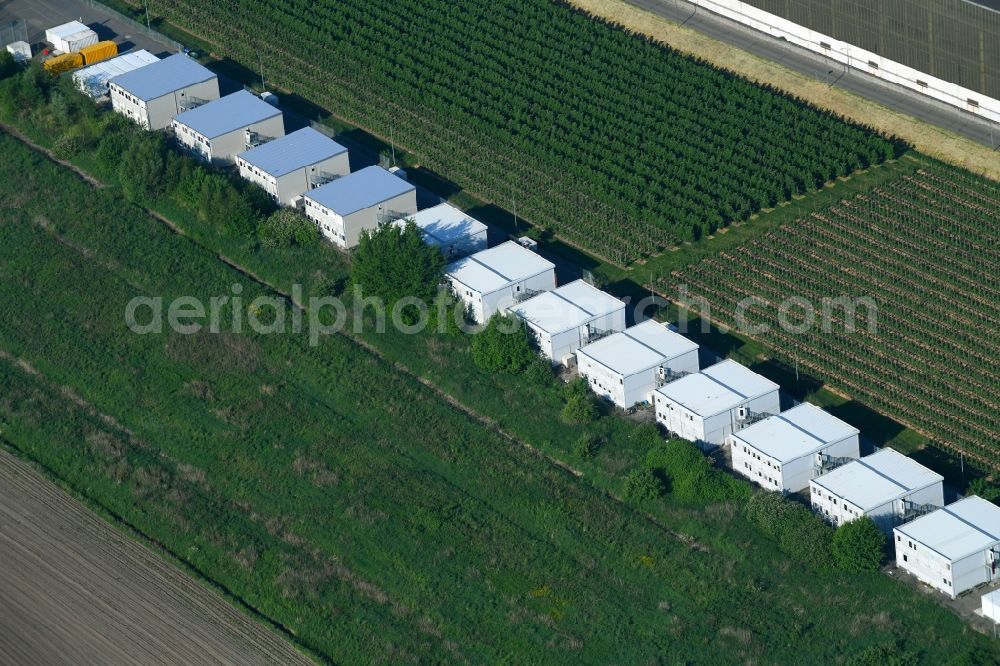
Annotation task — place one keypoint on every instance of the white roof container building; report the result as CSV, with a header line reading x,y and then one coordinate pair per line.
x,y
783,452
365,199
706,407
451,229
886,486
953,549
290,166
627,367
154,94
93,80
220,130
991,606
70,37
490,280
565,319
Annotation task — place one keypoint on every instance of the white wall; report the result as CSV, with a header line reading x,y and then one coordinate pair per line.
x,y
484,306
711,431
855,57
923,563
886,516
289,187
345,232
157,114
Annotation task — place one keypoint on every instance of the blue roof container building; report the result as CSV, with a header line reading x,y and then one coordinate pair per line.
x,y
218,131
366,199
288,167
152,95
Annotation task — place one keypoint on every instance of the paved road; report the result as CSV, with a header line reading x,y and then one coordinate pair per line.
x,y
43,14
816,66
74,590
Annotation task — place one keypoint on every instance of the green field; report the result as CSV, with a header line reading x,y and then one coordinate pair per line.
x,y
515,101
923,248
355,508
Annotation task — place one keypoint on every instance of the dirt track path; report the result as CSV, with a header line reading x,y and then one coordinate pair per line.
x,y
75,590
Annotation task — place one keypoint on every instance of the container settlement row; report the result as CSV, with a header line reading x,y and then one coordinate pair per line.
x,y
952,548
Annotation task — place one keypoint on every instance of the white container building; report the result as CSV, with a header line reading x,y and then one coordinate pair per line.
x,y
991,606
953,549
627,367
886,486
220,130
783,452
451,229
70,37
706,407
152,95
290,166
491,280
364,200
20,50
567,318
93,80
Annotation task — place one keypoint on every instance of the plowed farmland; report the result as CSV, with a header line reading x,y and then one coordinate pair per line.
x,y
75,590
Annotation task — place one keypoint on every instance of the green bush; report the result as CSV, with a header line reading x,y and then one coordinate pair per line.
x,y
858,545
286,228
798,532
588,445
694,477
504,345
980,486
580,410
883,654
394,262
140,170
643,484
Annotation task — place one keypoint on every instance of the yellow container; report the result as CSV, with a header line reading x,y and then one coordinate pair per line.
x,y
63,63
98,52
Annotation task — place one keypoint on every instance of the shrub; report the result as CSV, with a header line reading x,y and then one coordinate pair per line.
x,y
980,486
693,476
858,545
394,262
883,654
798,532
140,170
286,228
588,445
504,346
643,484
579,410
539,372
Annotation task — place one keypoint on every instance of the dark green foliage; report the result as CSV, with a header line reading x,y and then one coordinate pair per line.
x,y
8,66
504,345
693,477
643,484
140,170
394,262
797,530
580,409
648,147
858,545
287,227
588,445
891,653
982,487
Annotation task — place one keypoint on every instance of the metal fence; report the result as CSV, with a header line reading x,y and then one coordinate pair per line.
x,y
954,40
15,31
134,25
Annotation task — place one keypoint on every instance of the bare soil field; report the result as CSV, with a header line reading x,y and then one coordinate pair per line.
x,y
928,139
75,590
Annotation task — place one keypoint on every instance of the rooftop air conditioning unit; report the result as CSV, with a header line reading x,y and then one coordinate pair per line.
x,y
527,242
